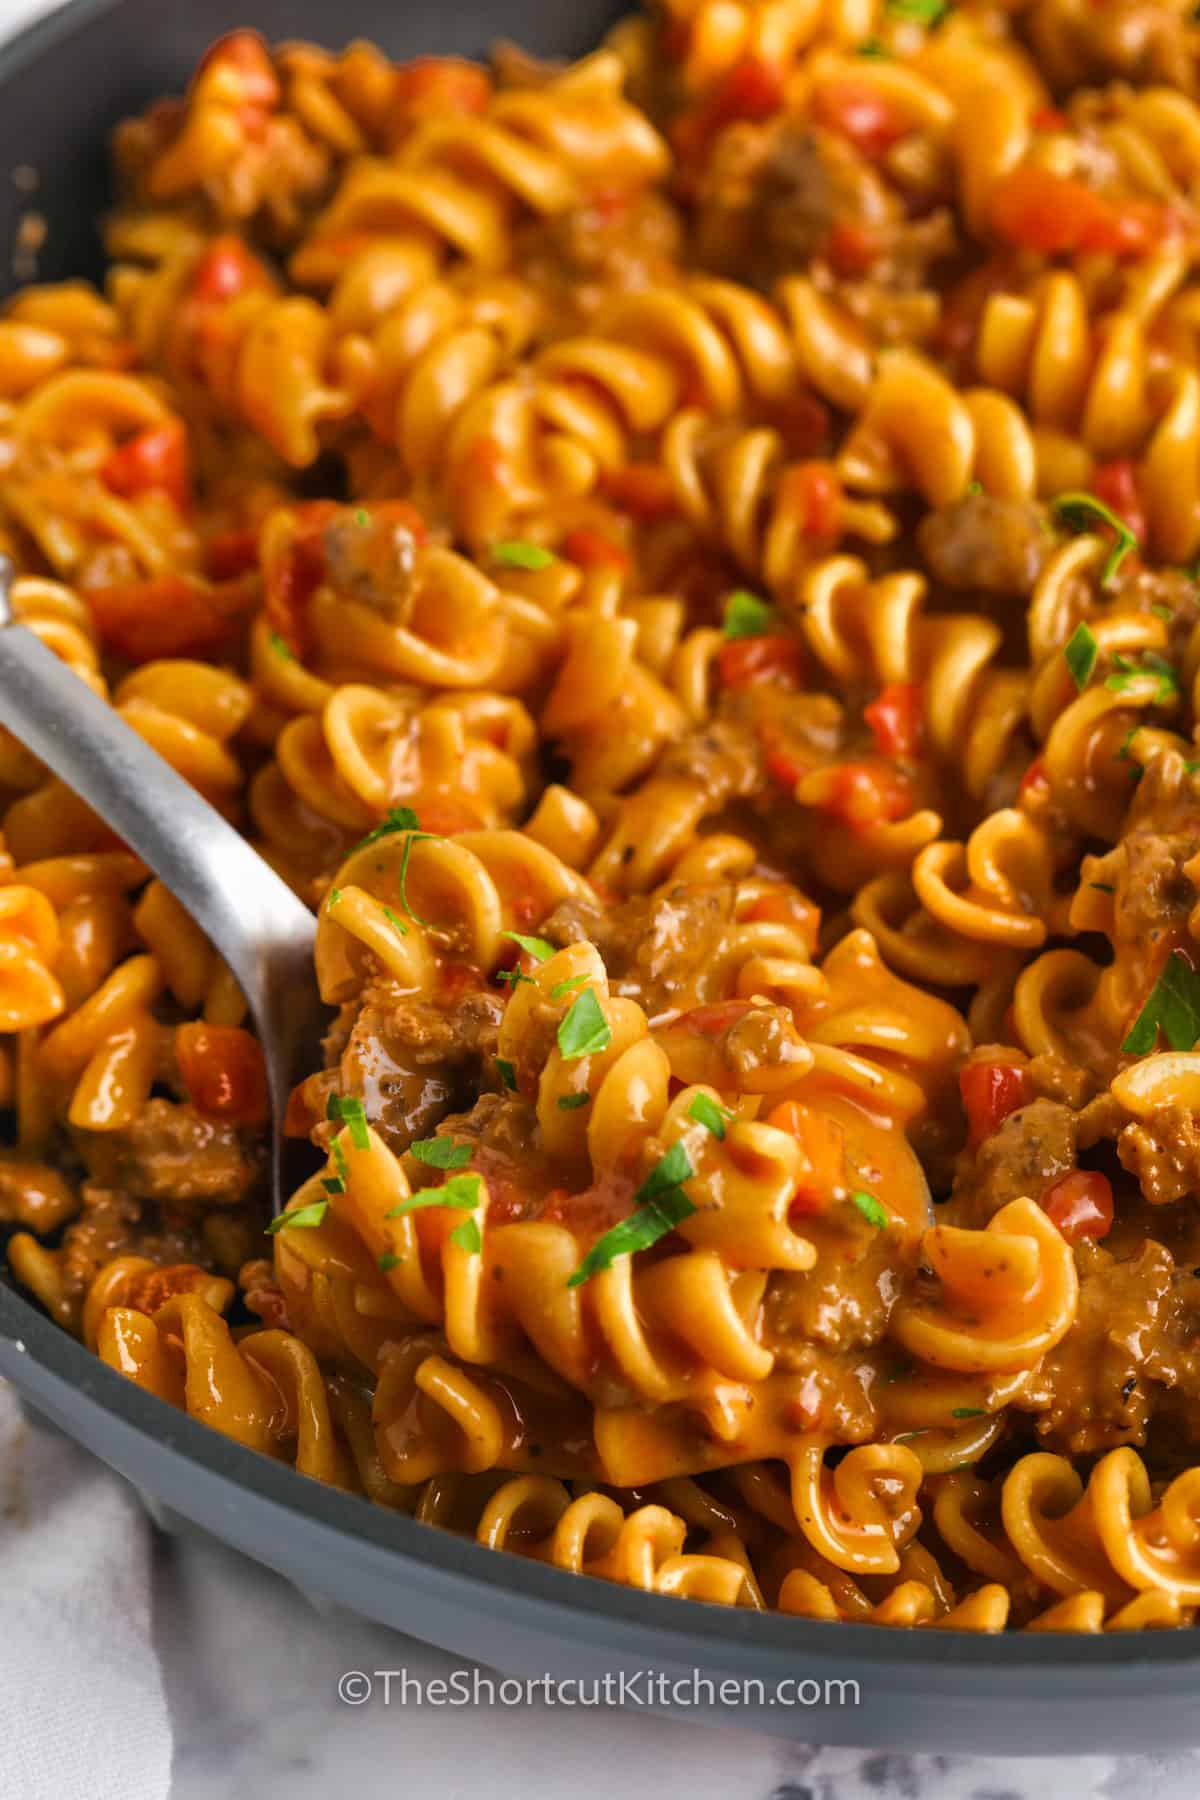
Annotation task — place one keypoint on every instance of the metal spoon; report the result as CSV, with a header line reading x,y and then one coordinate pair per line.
x,y
256,922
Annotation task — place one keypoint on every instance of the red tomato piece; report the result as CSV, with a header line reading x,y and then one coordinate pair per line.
x,y
155,458
742,661
592,550
1035,780
990,1091
433,85
244,56
1081,1205
814,490
168,615
823,1145
1116,484
866,793
226,269
224,1072
752,89
643,489
711,1021
231,553
1058,215
852,248
858,111
895,718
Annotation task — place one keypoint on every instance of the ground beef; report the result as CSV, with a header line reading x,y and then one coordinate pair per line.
x,y
170,1154
371,560
723,758
1029,1150
843,1303
986,544
110,1224
1164,1156
1092,1391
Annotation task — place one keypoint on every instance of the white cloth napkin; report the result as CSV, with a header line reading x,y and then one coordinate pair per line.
x,y
83,1714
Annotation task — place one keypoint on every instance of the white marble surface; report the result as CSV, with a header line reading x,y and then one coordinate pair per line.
x,y
251,1672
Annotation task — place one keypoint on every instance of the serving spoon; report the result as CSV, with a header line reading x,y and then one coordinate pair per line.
x,y
254,919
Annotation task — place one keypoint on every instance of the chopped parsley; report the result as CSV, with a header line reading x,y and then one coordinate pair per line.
x,y
400,818
706,1112
925,12
1102,887
339,1180
1162,612
1083,512
661,1205
1126,674
441,1153
873,48
569,1102
348,1108
395,921
335,895
872,1210
969,1412
746,615
1173,1007
461,1192
467,1237
1080,653
389,1260
507,1073
514,978
282,650
517,553
362,516
584,1030
568,986
304,1217
536,947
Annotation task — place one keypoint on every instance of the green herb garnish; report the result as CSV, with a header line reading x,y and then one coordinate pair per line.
x,y
304,1217
871,1209
282,650
514,978
1102,887
536,947
335,895
584,1030
362,516
569,1102
1080,653
467,1237
1081,512
460,1192
1173,1007
395,921
924,12
389,1260
1162,612
399,818
441,1153
517,553
968,1412
661,1205
348,1108
1126,674
568,986
706,1112
873,48
507,1073
746,615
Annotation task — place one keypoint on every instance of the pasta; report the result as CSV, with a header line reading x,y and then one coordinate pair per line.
x,y
685,561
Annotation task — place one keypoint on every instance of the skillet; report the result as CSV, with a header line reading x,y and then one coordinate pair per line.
x,y
63,84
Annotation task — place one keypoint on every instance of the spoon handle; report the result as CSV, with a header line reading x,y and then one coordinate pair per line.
x,y
237,898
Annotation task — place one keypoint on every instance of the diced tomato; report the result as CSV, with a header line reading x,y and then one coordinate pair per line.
x,y
784,766
752,89
1081,1205
823,1144
446,818
591,550
168,615
293,571
852,248
396,512
231,553
814,490
990,1091
895,717
434,85
1035,782
226,269
643,489
858,111
742,661
868,793
711,1021
1116,484
246,58
223,1071
1048,118
611,204
155,458
1058,215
